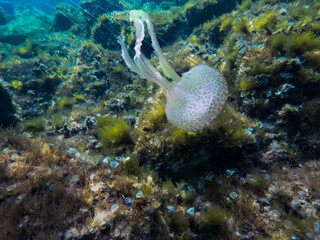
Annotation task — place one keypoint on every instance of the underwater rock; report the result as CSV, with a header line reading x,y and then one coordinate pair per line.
x,y
203,11
28,22
92,9
97,90
32,88
275,157
92,144
75,128
3,17
90,122
247,231
66,16
119,105
7,7
103,32
7,109
169,25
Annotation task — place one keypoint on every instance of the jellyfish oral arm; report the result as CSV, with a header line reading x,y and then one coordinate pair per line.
x,y
164,65
126,57
140,64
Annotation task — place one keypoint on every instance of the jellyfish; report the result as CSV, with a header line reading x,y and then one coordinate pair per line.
x,y
195,99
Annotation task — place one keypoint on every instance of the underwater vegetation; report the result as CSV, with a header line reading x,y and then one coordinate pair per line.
x,y
113,131
25,51
67,17
33,125
296,44
154,119
92,148
214,219
66,102
7,108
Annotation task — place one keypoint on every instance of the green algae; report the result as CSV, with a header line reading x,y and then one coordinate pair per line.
x,y
131,167
27,50
57,120
17,85
214,219
177,221
184,137
258,183
66,103
295,44
258,68
266,22
113,131
241,25
235,132
226,22
245,5
247,83
229,51
155,118
34,126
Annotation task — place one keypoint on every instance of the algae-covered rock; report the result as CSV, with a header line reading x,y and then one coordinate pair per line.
x,y
28,22
130,174
3,17
66,16
92,9
169,24
7,110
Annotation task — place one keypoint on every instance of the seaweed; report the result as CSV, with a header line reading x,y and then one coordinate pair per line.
x,y
66,103
154,119
17,85
27,50
295,44
34,126
247,83
266,22
177,221
258,183
213,220
241,25
113,131
245,5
